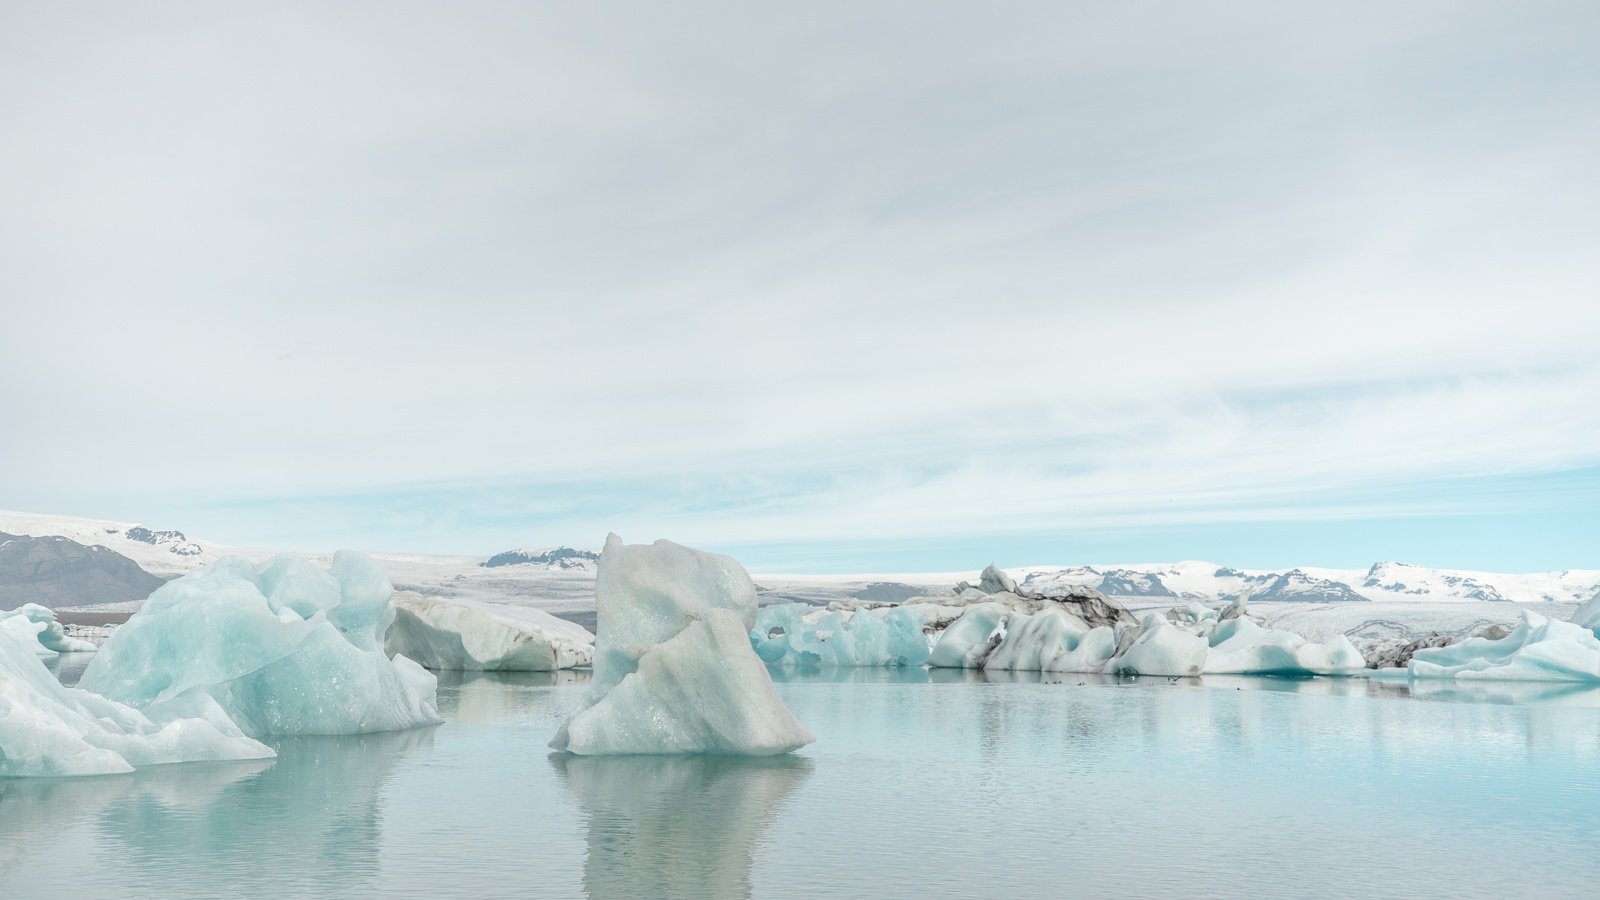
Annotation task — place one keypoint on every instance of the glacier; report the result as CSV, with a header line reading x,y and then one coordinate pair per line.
x,y
39,625
797,634
285,647
462,635
674,669
47,730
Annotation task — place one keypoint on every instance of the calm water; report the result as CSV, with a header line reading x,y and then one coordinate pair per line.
x,y
918,785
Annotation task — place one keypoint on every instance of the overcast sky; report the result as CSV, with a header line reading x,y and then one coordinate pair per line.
x,y
856,285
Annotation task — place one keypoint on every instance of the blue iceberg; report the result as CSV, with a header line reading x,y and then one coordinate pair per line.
x,y
281,648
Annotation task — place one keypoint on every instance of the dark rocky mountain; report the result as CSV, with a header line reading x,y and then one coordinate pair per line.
x,y
1298,586
559,558
56,571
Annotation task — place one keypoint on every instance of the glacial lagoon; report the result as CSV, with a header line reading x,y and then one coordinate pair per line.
x,y
932,784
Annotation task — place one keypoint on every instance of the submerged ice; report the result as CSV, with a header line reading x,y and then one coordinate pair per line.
x,y
462,635
285,647
674,670
50,730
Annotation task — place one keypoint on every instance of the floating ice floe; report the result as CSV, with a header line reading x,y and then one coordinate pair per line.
x,y
1158,648
460,635
1538,649
1082,631
800,635
674,670
50,730
39,625
1051,641
1240,646
283,648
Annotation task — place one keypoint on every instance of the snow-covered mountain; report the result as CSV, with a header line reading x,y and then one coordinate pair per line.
x,y
558,558
162,552
1384,581
563,577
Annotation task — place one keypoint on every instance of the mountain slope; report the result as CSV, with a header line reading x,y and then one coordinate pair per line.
x,y
57,571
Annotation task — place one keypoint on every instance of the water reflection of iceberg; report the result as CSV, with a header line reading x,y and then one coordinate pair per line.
x,y
183,830
675,826
495,696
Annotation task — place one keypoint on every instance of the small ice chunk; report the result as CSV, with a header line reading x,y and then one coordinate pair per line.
x,y
463,635
50,730
674,670
283,648
994,580
31,619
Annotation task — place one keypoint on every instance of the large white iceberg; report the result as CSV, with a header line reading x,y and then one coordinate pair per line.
x,y
1240,646
1052,641
674,671
800,635
38,624
1159,648
460,635
968,641
50,730
283,648
1538,649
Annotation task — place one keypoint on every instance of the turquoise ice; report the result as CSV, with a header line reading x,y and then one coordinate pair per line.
x,y
801,635
284,647
50,730
674,671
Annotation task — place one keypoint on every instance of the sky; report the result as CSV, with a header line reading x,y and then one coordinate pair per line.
x,y
835,287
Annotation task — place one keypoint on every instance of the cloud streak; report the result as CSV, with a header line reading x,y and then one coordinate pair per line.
x,y
841,274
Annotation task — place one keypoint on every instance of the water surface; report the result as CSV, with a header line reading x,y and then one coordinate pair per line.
x,y
946,784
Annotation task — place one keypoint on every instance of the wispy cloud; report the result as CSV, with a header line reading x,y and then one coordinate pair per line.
x,y
516,274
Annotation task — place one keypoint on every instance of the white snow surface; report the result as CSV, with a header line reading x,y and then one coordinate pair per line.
x,y
48,730
674,670
480,636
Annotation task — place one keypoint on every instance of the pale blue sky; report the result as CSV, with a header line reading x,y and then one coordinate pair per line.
x,y
834,286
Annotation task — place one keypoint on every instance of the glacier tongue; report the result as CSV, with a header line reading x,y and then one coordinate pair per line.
x,y
463,635
674,670
283,648
50,730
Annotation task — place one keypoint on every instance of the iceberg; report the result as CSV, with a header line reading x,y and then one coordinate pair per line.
x,y
39,625
1052,641
801,635
1538,649
1159,648
1240,646
674,670
1587,615
49,730
281,648
460,635
966,644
